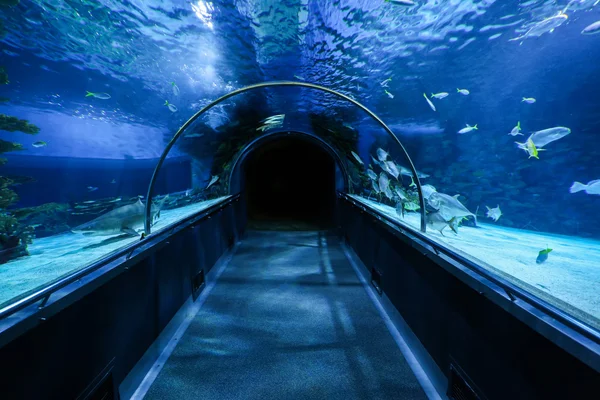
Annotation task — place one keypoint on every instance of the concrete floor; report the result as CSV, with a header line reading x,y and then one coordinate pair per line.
x,y
287,319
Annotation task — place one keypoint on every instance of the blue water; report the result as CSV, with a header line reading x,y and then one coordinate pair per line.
x,y
56,51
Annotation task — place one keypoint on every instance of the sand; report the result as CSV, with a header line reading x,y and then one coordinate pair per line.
x,y
569,279
56,256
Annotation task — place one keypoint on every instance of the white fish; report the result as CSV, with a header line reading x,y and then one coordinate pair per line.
x,y
528,100
428,190
543,137
213,180
400,192
449,206
440,95
407,3
464,92
382,155
299,78
384,182
357,158
92,188
468,129
429,102
375,186
388,193
494,213
407,172
547,25
371,174
392,169
376,162
175,89
516,130
591,29
391,96
385,83
171,107
101,96
593,187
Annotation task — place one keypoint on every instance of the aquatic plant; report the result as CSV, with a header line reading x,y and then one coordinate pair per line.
x,y
14,236
13,124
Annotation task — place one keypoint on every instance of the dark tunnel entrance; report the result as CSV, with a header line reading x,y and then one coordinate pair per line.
x,y
290,184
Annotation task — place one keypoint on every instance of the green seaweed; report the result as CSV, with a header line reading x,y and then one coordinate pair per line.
x,y
13,124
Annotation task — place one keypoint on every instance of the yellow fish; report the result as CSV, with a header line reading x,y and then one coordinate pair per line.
x,y
532,150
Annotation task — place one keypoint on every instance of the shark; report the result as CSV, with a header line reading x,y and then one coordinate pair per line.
x,y
122,220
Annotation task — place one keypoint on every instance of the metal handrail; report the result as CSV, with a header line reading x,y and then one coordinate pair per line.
x,y
509,288
44,293
148,218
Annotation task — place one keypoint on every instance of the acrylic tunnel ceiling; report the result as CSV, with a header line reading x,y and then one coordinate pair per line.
x,y
115,79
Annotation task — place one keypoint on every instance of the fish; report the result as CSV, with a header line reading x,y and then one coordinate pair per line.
x,y
101,96
175,89
382,155
543,255
530,147
546,25
437,221
440,95
384,182
429,102
401,194
412,206
543,137
385,83
39,144
407,3
171,107
371,174
449,206
125,219
92,188
391,96
400,209
299,78
375,186
468,129
494,213
357,158
528,100
427,190
516,130
407,172
391,168
113,181
591,29
464,92
213,180
593,187
274,119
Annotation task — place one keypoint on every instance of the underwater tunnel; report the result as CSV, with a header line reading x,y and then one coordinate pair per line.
x,y
293,223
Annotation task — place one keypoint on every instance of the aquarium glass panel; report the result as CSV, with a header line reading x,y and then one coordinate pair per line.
x,y
493,100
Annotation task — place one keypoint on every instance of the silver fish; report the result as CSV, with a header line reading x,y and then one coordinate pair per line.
x,y
213,180
357,158
437,221
391,168
593,187
591,29
382,155
371,174
384,182
439,96
494,213
449,206
547,25
429,102
542,138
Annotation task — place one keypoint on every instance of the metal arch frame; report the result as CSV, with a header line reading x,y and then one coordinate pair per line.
x,y
247,150
161,160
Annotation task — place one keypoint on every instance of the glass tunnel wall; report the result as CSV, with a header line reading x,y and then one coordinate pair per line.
x,y
493,101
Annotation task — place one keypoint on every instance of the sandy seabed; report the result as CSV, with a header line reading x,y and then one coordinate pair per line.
x,y
569,279
56,256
